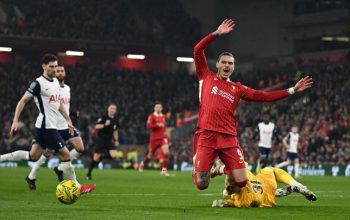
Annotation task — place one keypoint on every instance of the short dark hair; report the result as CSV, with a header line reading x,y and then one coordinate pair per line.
x,y
225,54
47,58
158,102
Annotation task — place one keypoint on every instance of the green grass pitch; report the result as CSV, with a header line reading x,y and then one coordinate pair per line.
x,y
127,194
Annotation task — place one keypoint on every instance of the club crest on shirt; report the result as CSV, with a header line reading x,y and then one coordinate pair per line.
x,y
234,89
198,162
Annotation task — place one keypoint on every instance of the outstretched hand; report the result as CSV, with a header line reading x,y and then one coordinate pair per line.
x,y
303,84
225,27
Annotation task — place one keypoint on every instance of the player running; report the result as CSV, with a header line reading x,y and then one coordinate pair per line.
x,y
45,90
107,138
62,127
158,140
216,134
291,142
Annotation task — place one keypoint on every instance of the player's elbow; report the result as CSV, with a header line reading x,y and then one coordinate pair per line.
x,y
197,50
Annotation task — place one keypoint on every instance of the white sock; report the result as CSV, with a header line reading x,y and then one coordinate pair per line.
x,y
222,169
15,156
68,170
296,169
296,183
36,167
74,154
283,164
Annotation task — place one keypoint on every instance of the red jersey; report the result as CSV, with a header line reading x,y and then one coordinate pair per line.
x,y
156,123
219,98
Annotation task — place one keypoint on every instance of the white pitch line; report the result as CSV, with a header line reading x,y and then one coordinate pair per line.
x,y
151,194
320,194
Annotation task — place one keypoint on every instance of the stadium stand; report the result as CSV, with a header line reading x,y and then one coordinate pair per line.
x,y
117,21
322,113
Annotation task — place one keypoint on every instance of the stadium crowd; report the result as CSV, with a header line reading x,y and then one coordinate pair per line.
x,y
93,88
322,113
121,21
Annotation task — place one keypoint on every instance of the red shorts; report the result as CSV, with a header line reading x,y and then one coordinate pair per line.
x,y
157,143
211,144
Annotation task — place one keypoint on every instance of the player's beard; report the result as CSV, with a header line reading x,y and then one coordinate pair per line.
x,y
51,74
60,79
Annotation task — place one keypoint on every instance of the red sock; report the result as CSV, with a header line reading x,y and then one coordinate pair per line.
x,y
164,160
164,164
146,160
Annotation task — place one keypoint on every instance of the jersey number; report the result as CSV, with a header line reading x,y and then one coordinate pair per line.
x,y
239,152
258,188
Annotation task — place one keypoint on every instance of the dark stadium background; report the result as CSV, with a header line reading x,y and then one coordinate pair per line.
x,y
275,43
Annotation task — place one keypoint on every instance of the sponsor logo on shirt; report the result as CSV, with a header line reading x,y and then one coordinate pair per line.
x,y
65,100
55,98
216,91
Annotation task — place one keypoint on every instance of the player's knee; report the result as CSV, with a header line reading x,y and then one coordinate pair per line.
x,y
80,149
201,180
33,158
241,184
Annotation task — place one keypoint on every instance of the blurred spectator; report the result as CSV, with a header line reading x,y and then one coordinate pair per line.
x,y
322,114
150,22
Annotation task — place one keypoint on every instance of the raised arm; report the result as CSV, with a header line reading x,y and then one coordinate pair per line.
x,y
198,53
249,94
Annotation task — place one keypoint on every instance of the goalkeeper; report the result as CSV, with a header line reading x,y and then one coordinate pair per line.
x,y
261,189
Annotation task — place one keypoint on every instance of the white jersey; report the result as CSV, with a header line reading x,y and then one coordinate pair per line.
x,y
47,99
293,139
65,100
265,133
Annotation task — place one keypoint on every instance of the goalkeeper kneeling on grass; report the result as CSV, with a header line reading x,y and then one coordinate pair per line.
x,y
261,189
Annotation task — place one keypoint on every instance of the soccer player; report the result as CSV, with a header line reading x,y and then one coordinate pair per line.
x,y
261,189
216,133
266,131
45,90
158,140
62,126
107,138
291,142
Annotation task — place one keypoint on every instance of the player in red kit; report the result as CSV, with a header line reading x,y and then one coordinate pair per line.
x,y
216,134
158,140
